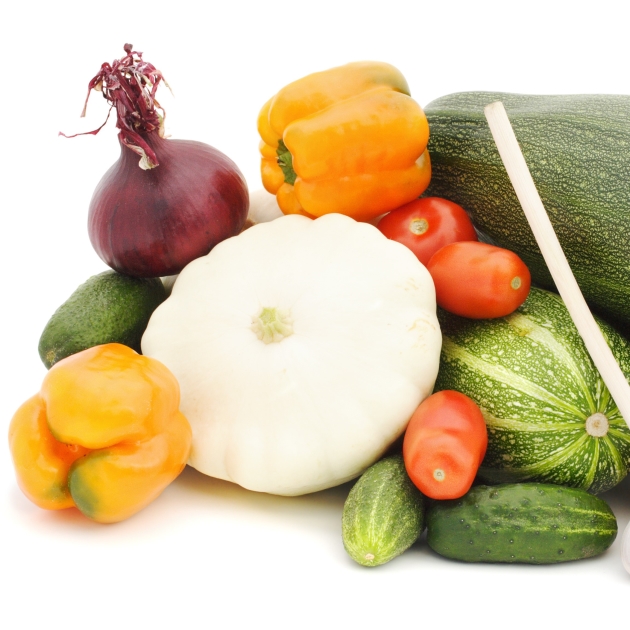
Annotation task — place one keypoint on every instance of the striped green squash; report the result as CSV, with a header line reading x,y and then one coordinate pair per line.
x,y
578,150
550,417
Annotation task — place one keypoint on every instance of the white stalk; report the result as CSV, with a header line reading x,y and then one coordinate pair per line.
x,y
541,226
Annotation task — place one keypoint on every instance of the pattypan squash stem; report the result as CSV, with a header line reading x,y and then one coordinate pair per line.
x,y
272,324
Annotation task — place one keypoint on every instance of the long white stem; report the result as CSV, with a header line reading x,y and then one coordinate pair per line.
x,y
525,189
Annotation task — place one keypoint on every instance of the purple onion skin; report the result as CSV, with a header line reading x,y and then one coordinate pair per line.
x,y
148,223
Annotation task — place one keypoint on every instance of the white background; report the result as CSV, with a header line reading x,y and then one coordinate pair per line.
x,y
208,554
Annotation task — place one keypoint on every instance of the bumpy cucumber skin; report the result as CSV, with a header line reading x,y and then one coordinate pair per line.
x,y
108,308
526,523
383,514
576,147
536,385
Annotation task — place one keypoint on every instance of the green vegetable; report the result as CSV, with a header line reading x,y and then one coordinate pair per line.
x,y
108,307
383,514
578,151
549,415
529,523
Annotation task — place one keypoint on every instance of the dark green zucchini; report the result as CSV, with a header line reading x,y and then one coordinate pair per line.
x,y
578,150
528,523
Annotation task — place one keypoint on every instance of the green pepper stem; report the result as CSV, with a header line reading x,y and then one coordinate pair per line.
x,y
285,162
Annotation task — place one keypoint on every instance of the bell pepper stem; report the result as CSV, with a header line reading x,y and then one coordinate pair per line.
x,y
285,162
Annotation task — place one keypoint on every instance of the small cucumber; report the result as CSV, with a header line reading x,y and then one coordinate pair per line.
x,y
383,514
107,308
532,523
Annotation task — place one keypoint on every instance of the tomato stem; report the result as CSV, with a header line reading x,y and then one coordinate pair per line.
x,y
419,226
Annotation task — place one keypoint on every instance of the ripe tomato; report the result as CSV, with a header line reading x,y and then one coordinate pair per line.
x,y
426,225
444,445
478,280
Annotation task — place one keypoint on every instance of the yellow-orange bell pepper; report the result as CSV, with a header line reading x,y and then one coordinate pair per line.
x,y
104,434
348,140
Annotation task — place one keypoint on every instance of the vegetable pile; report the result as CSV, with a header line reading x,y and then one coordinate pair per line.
x,y
372,333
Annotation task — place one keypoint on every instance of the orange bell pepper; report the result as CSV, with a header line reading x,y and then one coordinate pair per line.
x,y
348,140
104,434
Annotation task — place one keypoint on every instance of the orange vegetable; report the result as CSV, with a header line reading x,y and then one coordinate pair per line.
x,y
444,445
104,434
479,280
349,140
426,225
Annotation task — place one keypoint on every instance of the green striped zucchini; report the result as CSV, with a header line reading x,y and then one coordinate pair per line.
x,y
549,415
578,151
525,522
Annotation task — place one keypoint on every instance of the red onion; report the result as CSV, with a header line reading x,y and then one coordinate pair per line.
x,y
152,218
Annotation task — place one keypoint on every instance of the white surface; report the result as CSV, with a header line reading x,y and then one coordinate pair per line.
x,y
207,553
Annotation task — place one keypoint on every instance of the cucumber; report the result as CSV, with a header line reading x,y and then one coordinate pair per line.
x,y
578,150
550,417
528,523
383,514
108,307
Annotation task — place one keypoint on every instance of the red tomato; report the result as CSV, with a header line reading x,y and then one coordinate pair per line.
x,y
426,225
444,445
478,280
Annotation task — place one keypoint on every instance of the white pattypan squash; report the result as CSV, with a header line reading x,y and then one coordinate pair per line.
x,y
263,207
302,347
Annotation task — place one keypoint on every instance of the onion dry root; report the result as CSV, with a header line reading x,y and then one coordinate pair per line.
x,y
152,217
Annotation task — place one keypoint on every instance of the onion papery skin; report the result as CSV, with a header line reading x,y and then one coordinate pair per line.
x,y
148,223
